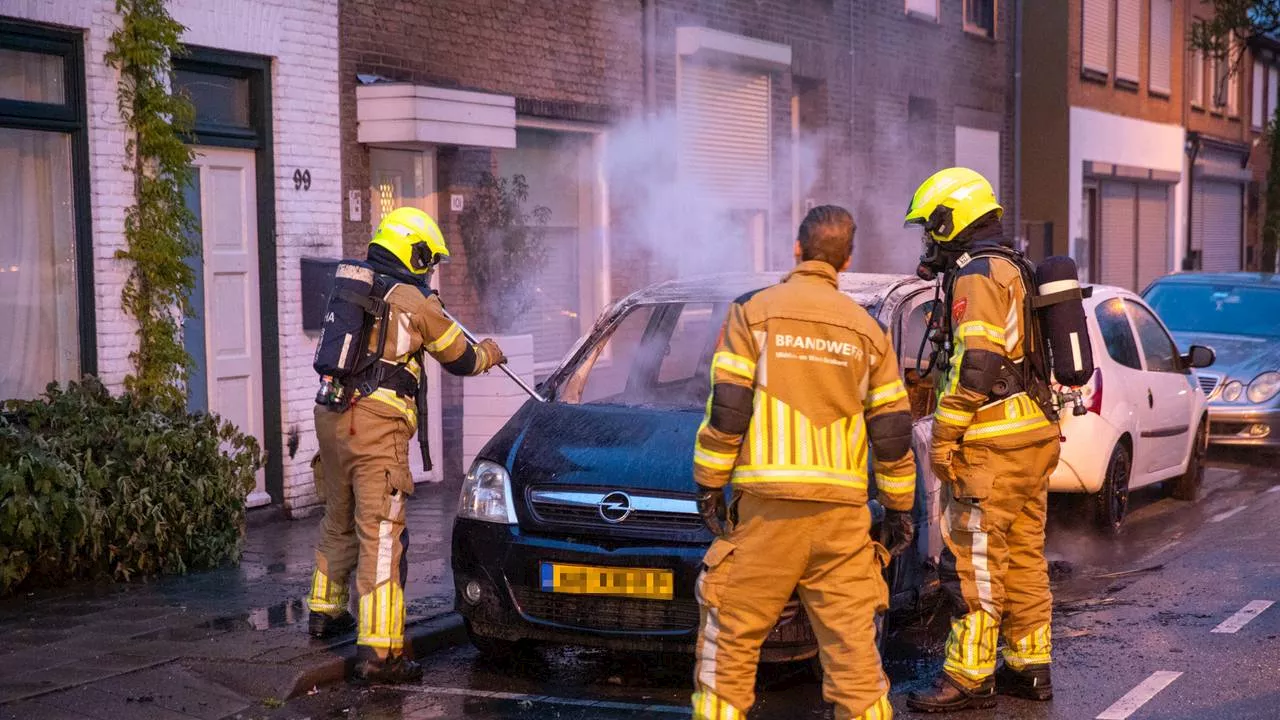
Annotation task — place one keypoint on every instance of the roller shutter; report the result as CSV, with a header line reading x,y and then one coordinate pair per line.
x,y
1218,223
1128,30
724,134
1153,234
1161,45
1096,35
1116,244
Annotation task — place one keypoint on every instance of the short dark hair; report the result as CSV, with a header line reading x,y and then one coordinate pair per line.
x,y
827,235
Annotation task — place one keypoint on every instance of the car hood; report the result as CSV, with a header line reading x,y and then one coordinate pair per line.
x,y
1238,357
603,446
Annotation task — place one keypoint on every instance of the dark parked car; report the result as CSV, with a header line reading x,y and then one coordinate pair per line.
x,y
577,523
1238,315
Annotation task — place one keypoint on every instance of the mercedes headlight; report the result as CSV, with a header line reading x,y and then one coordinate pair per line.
x,y
486,494
1264,387
1233,391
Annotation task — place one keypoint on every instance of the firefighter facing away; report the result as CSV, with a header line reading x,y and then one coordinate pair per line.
x,y
364,427
803,380
994,446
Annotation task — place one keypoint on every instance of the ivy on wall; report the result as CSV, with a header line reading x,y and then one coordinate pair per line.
x,y
158,227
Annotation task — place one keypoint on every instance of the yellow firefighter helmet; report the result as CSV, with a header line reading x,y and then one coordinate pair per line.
x,y
950,201
413,237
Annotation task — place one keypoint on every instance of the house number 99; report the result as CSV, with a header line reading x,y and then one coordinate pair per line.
x,y
301,179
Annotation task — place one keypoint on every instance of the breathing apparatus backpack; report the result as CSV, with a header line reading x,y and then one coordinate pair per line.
x,y
1057,347
355,308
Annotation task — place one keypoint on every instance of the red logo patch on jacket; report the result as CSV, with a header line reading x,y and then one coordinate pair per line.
x,y
958,309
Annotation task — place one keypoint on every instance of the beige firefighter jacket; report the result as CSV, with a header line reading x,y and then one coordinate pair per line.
x,y
989,321
417,322
803,381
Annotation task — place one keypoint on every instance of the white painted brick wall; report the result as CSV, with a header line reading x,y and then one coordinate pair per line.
x,y
301,37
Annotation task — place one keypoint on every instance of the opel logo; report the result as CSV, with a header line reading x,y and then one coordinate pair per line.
x,y
615,507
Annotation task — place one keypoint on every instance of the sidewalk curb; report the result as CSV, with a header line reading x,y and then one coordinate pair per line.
x,y
423,637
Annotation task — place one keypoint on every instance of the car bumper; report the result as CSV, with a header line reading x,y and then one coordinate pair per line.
x,y
1085,454
1244,427
506,563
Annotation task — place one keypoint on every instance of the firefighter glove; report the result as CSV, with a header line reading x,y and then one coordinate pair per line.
x,y
712,508
491,354
897,531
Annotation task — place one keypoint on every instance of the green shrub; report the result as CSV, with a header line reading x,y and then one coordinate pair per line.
x,y
92,484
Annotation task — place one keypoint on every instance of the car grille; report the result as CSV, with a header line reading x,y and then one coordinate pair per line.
x,y
608,613
1209,383
580,509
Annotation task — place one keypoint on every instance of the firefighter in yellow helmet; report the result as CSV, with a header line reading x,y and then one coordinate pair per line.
x,y
994,447
364,433
804,384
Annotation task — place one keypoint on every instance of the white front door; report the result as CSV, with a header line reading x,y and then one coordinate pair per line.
x,y
232,363
400,178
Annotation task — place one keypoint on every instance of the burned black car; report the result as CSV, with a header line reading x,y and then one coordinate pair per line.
x,y
577,523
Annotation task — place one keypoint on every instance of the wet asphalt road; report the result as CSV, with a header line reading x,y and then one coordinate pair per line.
x,y
1138,607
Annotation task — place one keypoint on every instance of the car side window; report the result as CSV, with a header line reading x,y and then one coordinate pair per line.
x,y
1116,333
1157,347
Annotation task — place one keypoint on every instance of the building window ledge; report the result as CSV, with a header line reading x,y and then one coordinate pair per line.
x,y
1159,93
1127,85
1092,75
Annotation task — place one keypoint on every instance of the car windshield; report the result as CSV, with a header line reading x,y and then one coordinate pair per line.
x,y
656,355
1218,309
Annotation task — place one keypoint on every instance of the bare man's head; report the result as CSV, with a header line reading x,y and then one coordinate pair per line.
x,y
826,234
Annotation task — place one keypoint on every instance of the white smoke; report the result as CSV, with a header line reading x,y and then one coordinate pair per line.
x,y
686,225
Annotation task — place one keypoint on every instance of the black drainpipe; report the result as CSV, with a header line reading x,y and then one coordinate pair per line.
x,y
1189,259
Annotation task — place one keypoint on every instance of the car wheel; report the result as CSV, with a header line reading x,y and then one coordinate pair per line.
x,y
1111,502
497,649
1187,486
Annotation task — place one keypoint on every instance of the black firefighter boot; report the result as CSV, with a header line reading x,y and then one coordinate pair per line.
x,y
947,695
393,670
322,626
1032,683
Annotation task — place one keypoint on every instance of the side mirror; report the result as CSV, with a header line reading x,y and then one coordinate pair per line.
x,y
1199,356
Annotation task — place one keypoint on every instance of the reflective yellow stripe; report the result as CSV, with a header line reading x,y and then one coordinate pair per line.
x,y
977,328
953,417
797,475
735,364
712,459
971,647
390,398
896,484
885,394
1034,649
759,421
1001,428
445,340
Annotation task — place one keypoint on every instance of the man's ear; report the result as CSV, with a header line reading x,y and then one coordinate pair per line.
x,y
798,252
848,263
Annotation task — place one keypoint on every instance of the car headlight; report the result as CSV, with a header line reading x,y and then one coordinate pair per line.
x,y
1264,387
486,494
1232,391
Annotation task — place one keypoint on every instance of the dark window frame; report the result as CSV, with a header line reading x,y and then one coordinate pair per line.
x,y
976,28
70,118
258,137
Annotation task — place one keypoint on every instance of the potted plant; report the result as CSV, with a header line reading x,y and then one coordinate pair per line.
x,y
505,246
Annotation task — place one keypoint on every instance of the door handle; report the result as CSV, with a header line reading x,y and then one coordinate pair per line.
x,y
1151,400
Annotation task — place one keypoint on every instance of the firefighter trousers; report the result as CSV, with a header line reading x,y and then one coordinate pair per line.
x,y
774,548
993,566
365,483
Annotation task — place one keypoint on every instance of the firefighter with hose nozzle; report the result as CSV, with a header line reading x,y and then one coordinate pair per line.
x,y
381,320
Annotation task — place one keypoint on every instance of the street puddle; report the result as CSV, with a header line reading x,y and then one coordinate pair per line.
x,y
285,614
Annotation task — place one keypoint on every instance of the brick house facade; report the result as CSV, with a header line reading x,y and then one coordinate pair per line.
x,y
271,66
820,114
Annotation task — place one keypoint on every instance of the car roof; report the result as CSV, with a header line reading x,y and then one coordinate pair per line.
x,y
867,289
1236,278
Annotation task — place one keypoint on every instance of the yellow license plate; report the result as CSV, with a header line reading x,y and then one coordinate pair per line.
x,y
587,580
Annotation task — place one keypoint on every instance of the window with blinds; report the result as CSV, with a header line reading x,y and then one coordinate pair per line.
x,y
1161,50
1195,78
724,134
1095,41
1233,80
1220,77
1128,32
923,8
1259,81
